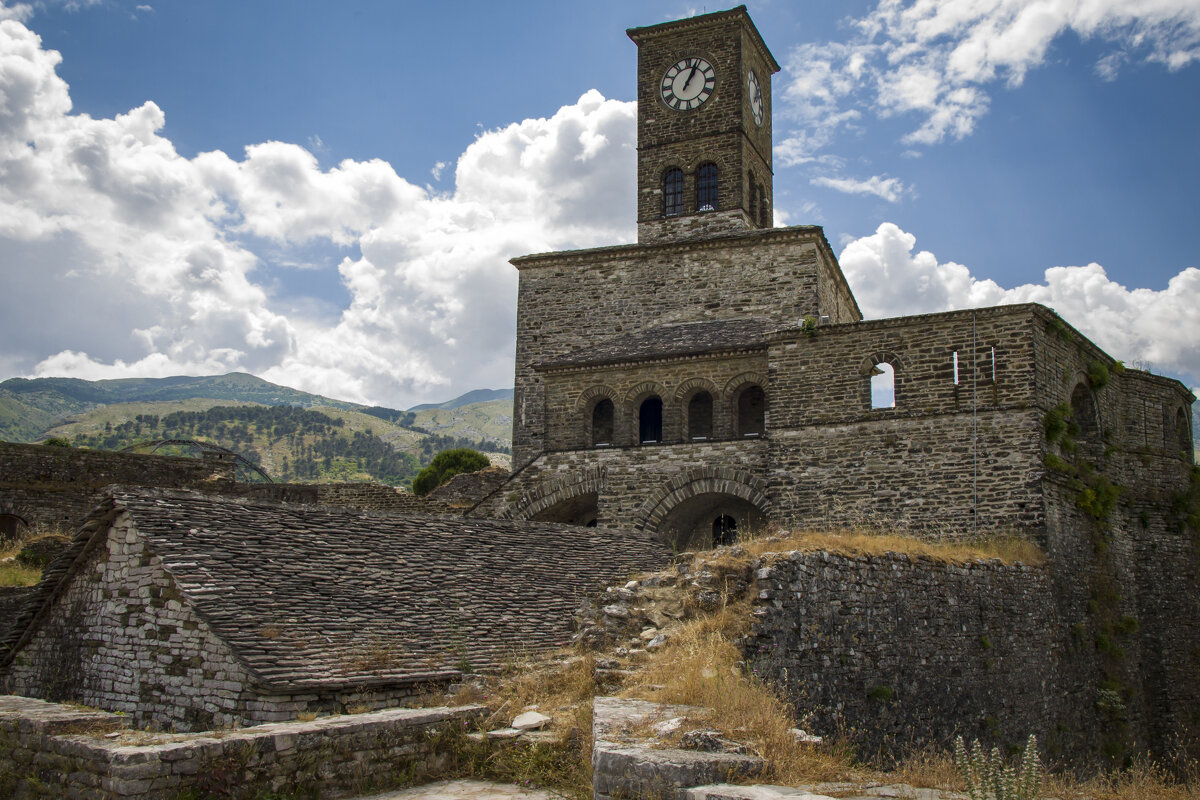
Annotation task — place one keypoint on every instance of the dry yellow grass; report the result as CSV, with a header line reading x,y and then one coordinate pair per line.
x,y
701,666
856,542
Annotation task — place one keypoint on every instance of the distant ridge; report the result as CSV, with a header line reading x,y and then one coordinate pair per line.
x,y
473,396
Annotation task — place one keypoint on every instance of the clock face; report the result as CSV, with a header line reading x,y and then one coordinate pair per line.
x,y
687,84
754,92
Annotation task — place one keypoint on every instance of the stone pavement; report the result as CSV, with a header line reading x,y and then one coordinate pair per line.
x,y
463,790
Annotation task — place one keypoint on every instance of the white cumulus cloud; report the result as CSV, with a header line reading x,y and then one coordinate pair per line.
x,y
119,257
890,189
1158,326
936,60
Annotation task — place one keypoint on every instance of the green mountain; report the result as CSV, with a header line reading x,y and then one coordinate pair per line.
x,y
470,398
292,435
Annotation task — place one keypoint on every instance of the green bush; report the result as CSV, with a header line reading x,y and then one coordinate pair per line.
x,y
446,465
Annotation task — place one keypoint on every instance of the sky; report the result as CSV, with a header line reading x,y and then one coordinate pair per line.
x,y
327,195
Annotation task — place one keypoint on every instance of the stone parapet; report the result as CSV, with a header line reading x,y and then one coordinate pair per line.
x,y
49,749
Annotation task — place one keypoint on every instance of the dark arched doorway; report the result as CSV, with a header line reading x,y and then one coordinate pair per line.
x,y
696,522
579,510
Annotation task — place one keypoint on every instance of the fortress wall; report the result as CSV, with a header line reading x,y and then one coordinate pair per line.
x,y
901,650
925,473
568,301
571,395
1125,589
59,486
825,378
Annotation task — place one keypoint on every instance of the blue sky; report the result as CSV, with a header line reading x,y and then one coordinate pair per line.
x,y
327,195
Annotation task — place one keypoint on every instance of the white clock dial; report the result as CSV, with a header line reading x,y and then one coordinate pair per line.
x,y
687,84
754,92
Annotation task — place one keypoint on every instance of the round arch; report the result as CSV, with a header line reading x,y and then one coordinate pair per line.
x,y
585,406
558,496
684,394
869,368
699,492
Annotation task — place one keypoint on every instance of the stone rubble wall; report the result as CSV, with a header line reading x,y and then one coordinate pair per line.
x,y
50,750
124,640
893,649
59,486
466,489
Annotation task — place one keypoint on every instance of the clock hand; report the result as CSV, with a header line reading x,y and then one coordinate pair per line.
x,y
691,75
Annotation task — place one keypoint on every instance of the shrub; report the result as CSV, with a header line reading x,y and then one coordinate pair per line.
x,y
446,465
988,778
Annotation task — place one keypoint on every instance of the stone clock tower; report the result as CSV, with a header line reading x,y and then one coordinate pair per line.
x,y
704,127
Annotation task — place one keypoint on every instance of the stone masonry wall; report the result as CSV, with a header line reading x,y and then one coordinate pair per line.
x,y
568,301
120,639
946,475
51,750
59,486
906,650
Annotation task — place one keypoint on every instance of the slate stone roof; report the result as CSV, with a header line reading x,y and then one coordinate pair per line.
x,y
312,596
667,341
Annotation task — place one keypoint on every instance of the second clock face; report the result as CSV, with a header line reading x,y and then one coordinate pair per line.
x,y
688,84
754,91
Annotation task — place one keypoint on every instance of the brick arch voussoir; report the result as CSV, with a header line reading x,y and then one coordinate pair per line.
x,y
693,385
739,382
549,493
594,393
643,390
881,357
697,481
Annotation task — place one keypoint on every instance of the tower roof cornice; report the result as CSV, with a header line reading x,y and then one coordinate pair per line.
x,y
701,20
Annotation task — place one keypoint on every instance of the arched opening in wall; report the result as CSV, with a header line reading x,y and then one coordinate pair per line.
x,y
1084,412
650,420
12,527
724,530
1183,434
752,194
581,510
602,423
883,385
700,417
751,412
706,188
695,522
673,192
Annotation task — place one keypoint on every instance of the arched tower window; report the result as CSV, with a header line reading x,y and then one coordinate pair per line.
x,y
1084,412
883,386
650,420
752,195
700,416
706,187
764,213
752,412
1183,436
673,192
602,423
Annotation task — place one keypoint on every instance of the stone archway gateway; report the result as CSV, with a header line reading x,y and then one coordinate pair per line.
x,y
687,509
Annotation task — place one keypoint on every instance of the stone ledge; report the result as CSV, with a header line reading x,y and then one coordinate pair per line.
x,y
623,766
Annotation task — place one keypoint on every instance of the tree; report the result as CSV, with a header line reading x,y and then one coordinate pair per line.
x,y
446,465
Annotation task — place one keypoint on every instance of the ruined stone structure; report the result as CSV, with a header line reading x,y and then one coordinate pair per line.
x,y
190,611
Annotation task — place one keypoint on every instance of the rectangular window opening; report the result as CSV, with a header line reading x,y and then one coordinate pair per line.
x,y
956,368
